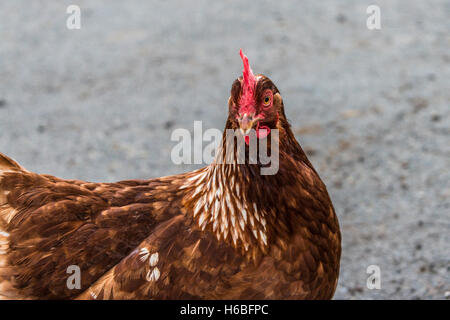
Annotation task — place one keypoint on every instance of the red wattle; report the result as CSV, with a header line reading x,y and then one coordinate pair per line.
x,y
262,131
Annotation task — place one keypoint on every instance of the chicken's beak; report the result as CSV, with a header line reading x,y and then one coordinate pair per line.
x,y
246,123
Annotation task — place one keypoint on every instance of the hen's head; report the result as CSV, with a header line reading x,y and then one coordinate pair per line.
x,y
255,103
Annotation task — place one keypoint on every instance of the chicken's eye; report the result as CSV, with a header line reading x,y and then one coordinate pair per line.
x,y
267,101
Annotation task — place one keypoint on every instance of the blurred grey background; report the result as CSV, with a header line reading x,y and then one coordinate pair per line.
x,y
371,108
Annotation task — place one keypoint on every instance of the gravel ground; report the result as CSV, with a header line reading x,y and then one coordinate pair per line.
x,y
370,107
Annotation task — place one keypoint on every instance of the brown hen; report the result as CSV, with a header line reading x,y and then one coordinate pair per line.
x,y
225,231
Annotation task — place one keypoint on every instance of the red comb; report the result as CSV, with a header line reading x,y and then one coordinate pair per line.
x,y
248,85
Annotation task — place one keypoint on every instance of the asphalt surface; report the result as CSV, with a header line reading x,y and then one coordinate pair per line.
x,y
371,107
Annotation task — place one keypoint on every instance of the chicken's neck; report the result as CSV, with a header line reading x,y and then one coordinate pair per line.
x,y
236,203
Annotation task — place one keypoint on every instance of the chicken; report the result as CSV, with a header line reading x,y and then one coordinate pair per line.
x,y
221,232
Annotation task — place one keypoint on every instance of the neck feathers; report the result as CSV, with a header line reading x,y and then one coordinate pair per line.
x,y
239,205
218,197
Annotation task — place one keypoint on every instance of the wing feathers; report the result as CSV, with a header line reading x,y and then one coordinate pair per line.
x,y
48,224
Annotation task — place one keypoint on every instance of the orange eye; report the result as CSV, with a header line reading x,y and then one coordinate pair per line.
x,y
267,100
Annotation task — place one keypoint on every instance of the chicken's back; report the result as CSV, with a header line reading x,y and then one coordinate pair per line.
x,y
48,224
